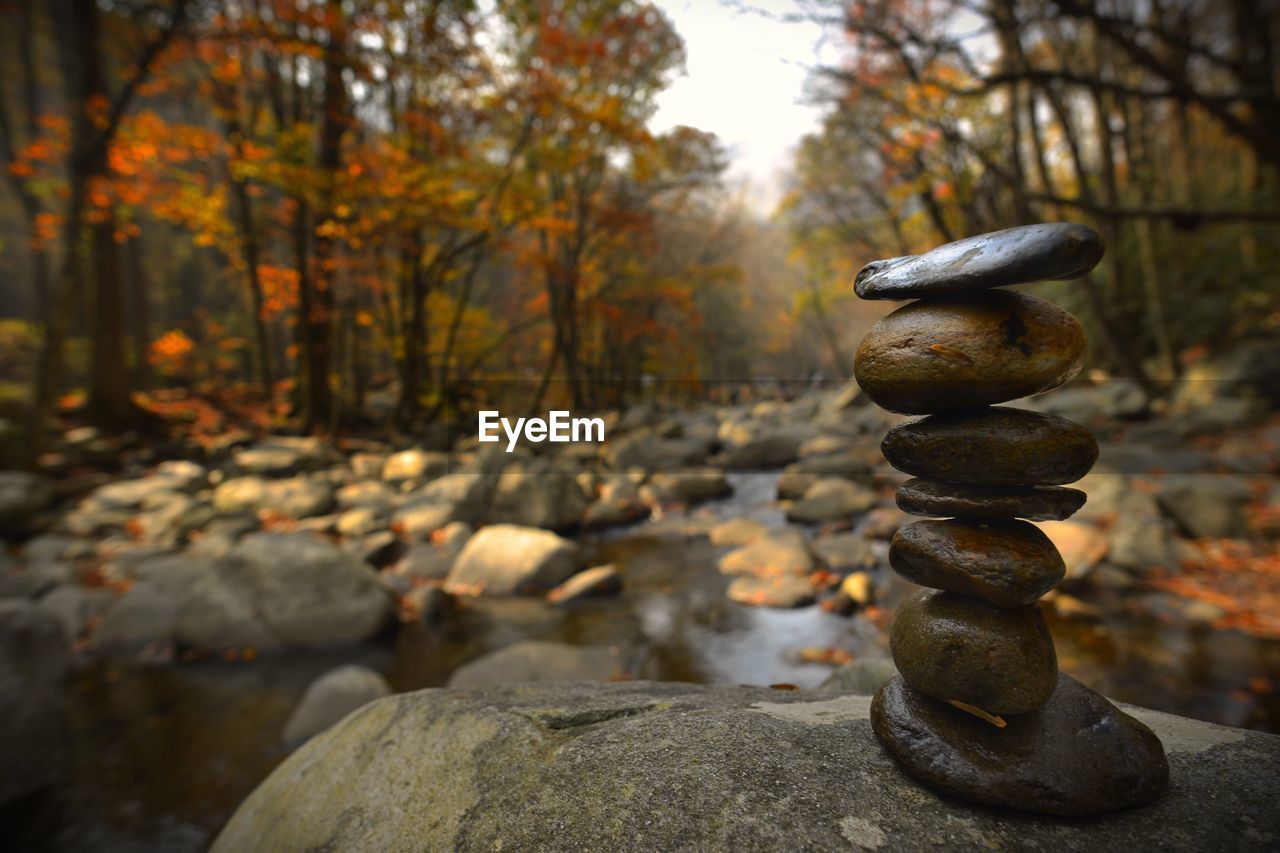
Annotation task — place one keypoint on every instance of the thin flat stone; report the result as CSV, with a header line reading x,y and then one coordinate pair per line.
x,y
1006,562
954,500
1078,755
999,659
1057,251
950,354
996,446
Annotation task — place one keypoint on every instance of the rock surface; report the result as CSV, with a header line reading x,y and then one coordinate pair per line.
x,y
946,355
537,660
831,499
506,559
1006,562
949,500
1078,755
1055,251
648,766
998,659
330,698
997,446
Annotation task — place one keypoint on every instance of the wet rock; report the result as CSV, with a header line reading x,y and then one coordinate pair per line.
x,y
331,697
366,493
618,503
736,532
146,615
538,496
1078,755
34,660
782,552
1205,506
23,496
686,486
999,659
831,500
598,581
782,591
505,559
1082,546
844,553
1056,251
1006,562
947,355
414,465
295,497
997,446
650,451
862,677
536,661
950,500
763,449
799,476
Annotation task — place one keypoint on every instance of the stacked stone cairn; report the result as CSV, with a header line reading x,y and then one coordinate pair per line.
x,y
980,710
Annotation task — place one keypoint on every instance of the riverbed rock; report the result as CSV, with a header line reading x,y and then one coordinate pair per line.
x,y
619,503
1004,561
844,553
999,659
685,486
295,497
863,676
34,660
951,500
831,499
996,446
506,559
537,495
650,766
781,552
762,448
1055,251
736,532
1082,546
597,581
782,591
1206,506
414,464
947,354
537,660
1078,755
647,449
23,496
331,697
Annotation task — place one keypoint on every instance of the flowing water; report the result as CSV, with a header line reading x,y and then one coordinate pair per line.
x,y
163,754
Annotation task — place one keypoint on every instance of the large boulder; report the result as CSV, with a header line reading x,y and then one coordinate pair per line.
x,y
538,496
506,559
270,590
649,766
34,659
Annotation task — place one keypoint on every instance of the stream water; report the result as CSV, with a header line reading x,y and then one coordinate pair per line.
x,y
163,754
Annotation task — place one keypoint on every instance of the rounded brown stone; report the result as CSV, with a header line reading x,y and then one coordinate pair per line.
x,y
951,500
999,659
995,446
1006,562
950,354
1078,755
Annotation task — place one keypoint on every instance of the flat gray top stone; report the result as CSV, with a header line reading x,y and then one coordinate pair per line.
x,y
1055,251
659,766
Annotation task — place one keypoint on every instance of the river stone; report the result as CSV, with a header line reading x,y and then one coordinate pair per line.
x,y
331,697
996,446
507,559
951,354
1000,659
950,500
1006,562
640,766
1078,755
1056,251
